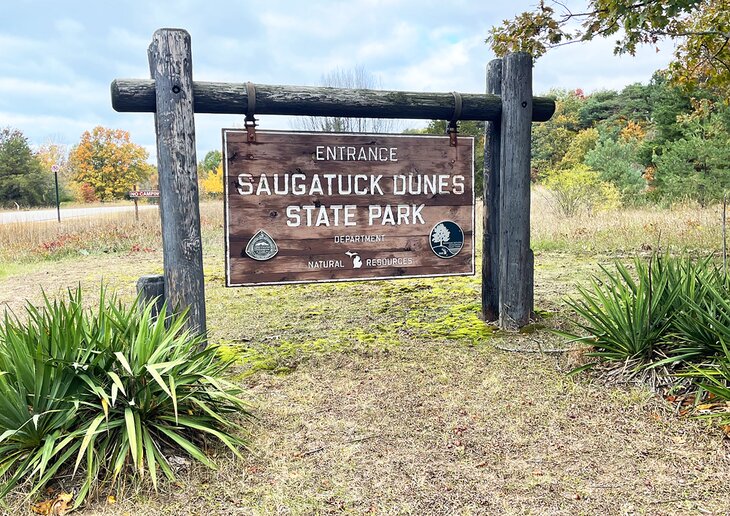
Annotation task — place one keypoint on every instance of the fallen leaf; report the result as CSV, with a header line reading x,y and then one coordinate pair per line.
x,y
705,406
43,507
55,507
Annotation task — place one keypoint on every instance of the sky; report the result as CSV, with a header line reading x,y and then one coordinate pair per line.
x,y
57,59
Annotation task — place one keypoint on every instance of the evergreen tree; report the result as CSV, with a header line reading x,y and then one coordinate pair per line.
x,y
22,179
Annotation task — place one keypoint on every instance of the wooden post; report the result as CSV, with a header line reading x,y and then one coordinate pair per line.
x,y
151,287
516,283
490,248
136,206
170,59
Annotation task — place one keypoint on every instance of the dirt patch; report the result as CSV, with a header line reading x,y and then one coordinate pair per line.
x,y
447,429
383,411
118,271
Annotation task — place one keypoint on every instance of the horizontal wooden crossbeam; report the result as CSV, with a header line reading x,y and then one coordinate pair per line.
x,y
138,95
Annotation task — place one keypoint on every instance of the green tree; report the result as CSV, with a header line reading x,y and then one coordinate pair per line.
x,y
700,29
668,102
210,162
599,106
109,163
617,162
22,179
551,139
697,165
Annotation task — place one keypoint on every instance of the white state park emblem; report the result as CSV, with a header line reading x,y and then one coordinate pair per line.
x,y
261,247
446,239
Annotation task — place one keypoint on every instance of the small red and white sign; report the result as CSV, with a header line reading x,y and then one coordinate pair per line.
x,y
144,193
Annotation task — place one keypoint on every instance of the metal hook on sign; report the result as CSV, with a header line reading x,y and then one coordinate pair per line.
x,y
250,120
453,129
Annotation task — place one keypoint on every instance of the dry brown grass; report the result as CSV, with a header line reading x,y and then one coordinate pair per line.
x,y
27,242
685,228
38,241
443,429
380,413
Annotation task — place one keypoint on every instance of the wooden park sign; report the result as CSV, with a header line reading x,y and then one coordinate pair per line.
x,y
508,107
306,207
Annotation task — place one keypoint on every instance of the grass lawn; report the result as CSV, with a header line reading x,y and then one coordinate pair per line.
x,y
393,397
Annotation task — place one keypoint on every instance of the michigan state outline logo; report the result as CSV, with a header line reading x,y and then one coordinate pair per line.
x,y
446,239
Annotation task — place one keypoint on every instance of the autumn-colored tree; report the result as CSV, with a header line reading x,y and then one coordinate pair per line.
x,y
579,146
700,29
552,139
50,154
107,161
212,184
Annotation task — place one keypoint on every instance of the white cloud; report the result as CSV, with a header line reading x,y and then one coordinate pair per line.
x,y
62,129
73,93
592,66
57,62
444,68
11,45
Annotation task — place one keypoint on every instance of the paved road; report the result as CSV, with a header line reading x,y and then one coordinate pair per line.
x,y
7,217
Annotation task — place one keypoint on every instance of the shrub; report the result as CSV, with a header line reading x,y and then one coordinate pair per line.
x,y
627,319
715,379
701,310
112,392
580,189
39,391
670,310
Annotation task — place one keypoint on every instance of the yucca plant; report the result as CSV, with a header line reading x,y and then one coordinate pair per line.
x,y
625,316
111,392
702,310
714,377
154,391
40,393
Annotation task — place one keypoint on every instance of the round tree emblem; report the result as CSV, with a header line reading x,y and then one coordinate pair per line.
x,y
446,239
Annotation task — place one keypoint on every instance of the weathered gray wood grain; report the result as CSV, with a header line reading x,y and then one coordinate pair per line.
x,y
515,296
149,288
490,249
135,95
171,68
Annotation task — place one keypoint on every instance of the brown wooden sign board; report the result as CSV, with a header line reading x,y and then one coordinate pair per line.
x,y
310,207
